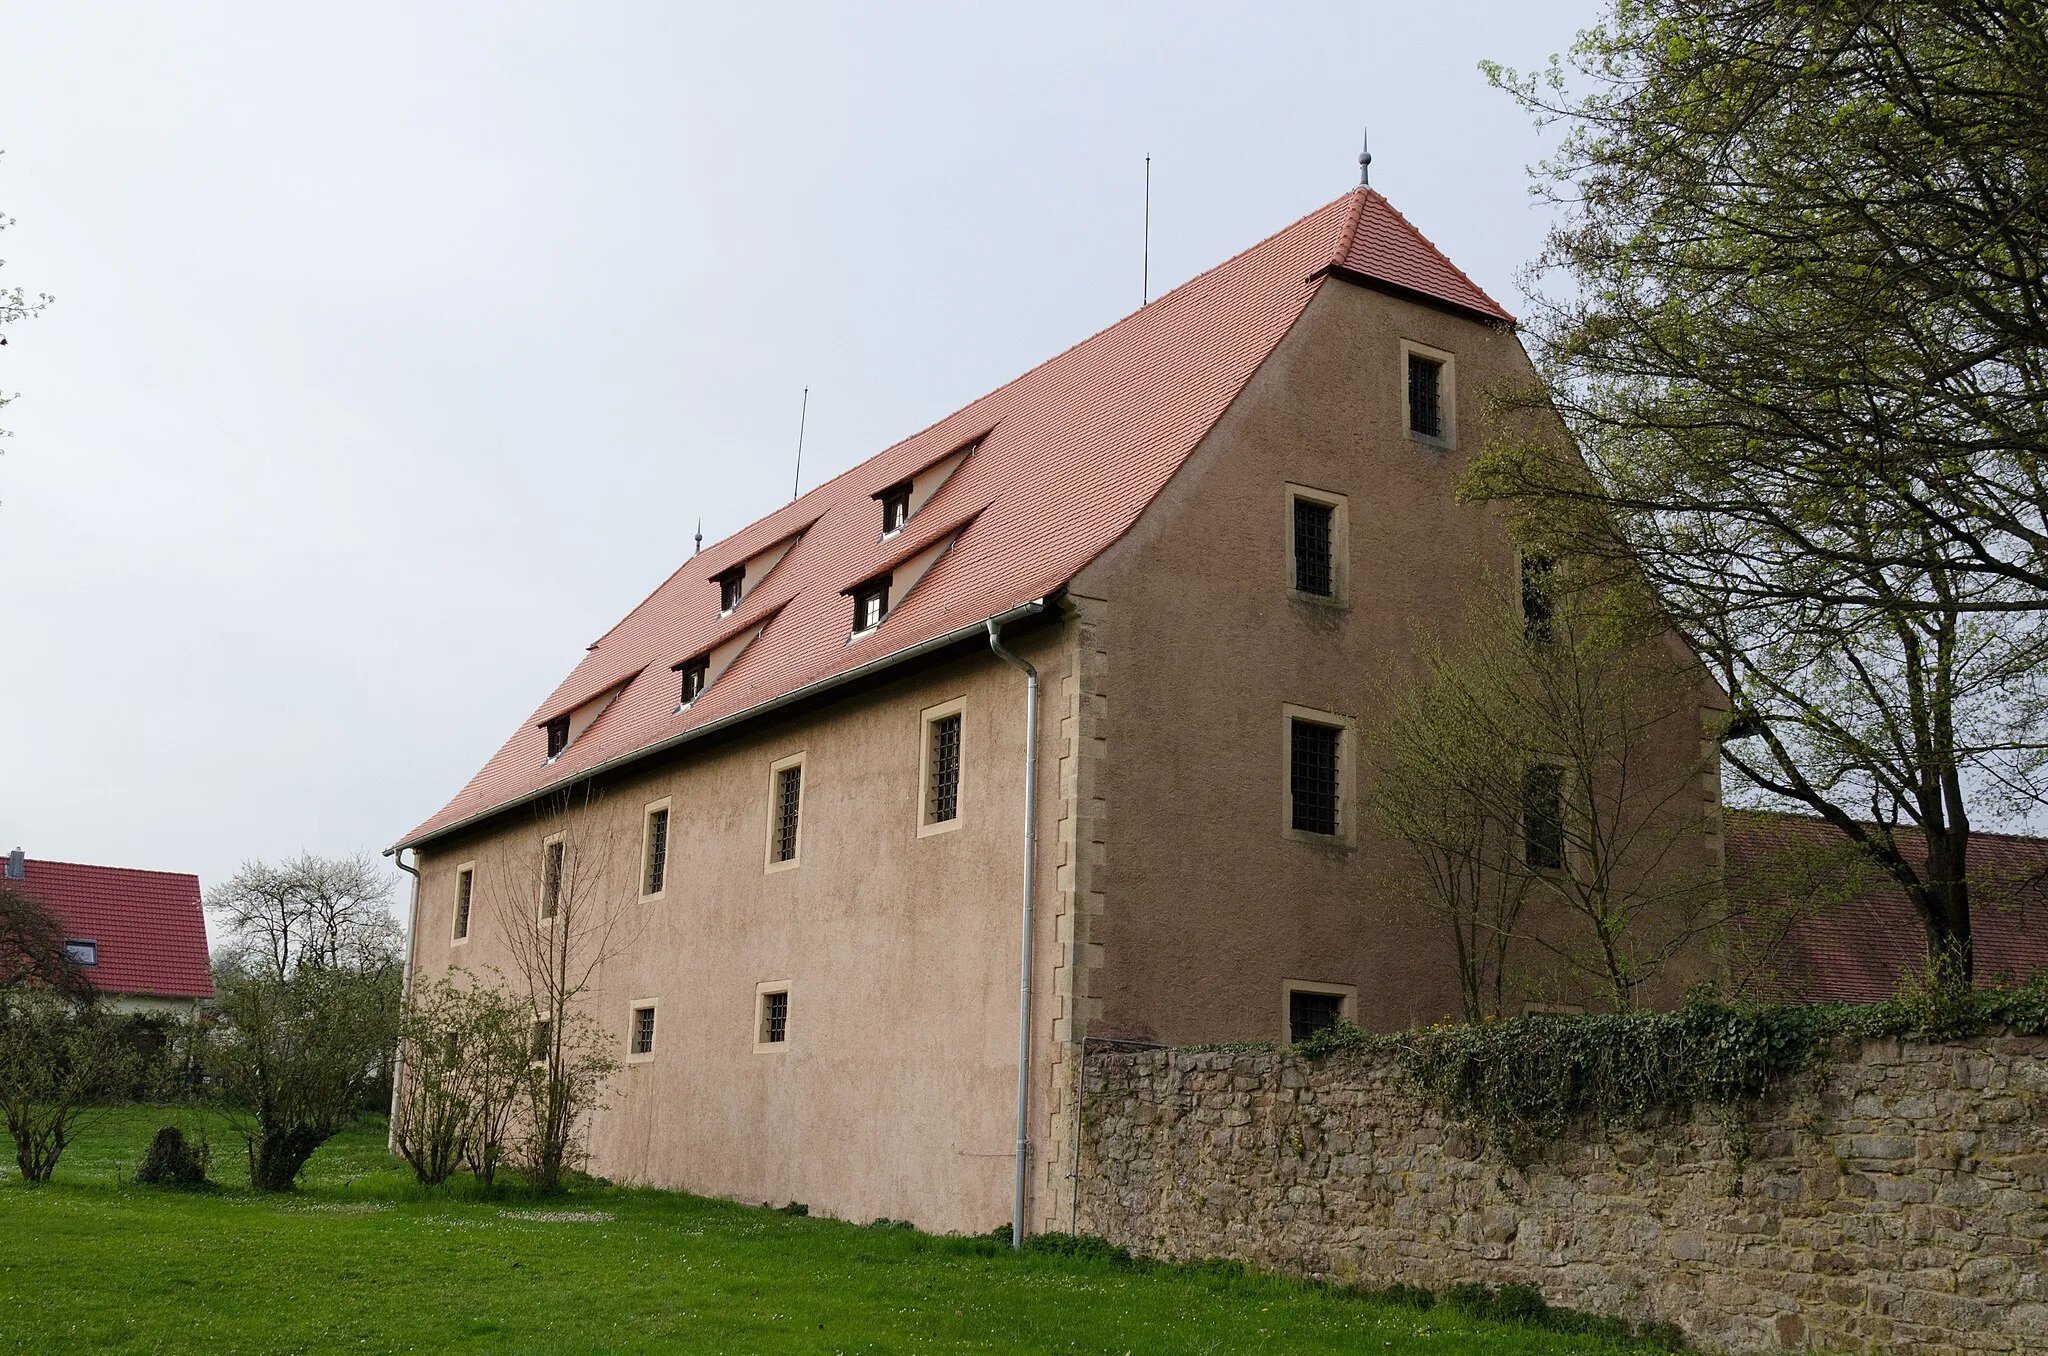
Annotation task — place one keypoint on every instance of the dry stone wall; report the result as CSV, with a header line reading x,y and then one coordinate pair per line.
x,y
1895,1199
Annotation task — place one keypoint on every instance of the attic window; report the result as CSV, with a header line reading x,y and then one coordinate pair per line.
x,y
730,588
558,735
870,605
694,674
82,952
895,508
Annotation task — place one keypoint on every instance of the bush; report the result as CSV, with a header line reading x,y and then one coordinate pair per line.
x,y
174,1161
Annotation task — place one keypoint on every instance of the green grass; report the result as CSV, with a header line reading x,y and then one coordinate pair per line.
x,y
361,1259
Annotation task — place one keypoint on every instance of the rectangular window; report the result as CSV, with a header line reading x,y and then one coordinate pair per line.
x,y
543,1041
1314,564
1308,1013
1536,604
789,796
82,952
465,885
551,879
642,1042
774,1028
657,852
694,673
895,508
1543,818
870,604
1425,381
942,791
558,735
731,586
1312,775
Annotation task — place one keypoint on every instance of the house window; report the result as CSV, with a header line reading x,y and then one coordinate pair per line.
x,y
465,888
543,1041
656,874
895,508
1537,609
1425,384
1543,818
1312,775
942,785
82,952
694,674
642,1040
731,585
787,823
1314,566
870,604
774,1027
1309,1012
551,879
558,735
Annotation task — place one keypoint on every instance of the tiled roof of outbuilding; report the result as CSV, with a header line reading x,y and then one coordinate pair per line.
x,y
146,925
1073,451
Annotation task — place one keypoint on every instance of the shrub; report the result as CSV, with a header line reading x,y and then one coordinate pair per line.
x,y
174,1161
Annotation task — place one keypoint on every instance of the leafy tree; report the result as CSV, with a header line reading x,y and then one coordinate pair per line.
x,y
467,1068
1796,320
309,998
59,1063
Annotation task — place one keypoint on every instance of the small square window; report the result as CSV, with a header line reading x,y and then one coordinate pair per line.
x,y
465,887
1312,775
942,790
1314,538
1425,386
81,952
558,735
1309,1012
656,875
788,822
870,605
731,587
642,1042
1543,818
694,676
895,508
551,879
774,1028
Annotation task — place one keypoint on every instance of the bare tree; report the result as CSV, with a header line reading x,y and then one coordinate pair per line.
x,y
561,926
17,305
334,912
32,947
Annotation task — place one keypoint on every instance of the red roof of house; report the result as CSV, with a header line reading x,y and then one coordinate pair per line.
x,y
146,925
1069,455
1854,950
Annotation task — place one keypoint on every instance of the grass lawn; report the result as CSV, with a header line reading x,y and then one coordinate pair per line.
x,y
360,1259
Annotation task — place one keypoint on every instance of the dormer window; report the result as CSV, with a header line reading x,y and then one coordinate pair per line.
x,y
895,508
694,673
870,604
730,587
558,735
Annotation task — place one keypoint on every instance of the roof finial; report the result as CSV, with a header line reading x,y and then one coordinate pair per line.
x,y
700,538
1365,160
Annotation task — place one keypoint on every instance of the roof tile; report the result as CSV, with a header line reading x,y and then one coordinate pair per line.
x,y
147,925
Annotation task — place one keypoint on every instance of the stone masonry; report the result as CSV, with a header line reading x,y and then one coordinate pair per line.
x,y
1895,1199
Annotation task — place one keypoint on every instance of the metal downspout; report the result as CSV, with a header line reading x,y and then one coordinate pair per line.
x,y
412,922
995,643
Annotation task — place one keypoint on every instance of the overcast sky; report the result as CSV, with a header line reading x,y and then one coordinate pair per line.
x,y
399,348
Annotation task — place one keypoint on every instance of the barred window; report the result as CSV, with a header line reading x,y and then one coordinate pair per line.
x,y
789,789
551,879
558,735
657,852
731,585
1425,379
694,673
1308,1013
643,1031
943,802
1537,609
1314,568
465,883
775,1017
543,1040
1543,817
1312,775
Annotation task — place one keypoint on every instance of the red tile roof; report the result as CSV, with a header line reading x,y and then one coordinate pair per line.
x,y
147,925
1074,451
1854,950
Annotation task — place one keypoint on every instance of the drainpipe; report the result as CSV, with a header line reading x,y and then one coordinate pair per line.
x,y
995,643
412,922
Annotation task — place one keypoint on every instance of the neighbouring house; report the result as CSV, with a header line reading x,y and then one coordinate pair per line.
x,y
800,775
139,935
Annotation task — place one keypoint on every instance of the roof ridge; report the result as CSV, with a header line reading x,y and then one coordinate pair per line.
x,y
96,866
